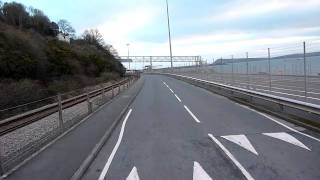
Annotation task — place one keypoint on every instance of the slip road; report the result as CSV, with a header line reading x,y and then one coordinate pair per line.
x,y
174,130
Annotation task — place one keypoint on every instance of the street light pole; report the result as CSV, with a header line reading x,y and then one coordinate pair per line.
x,y
169,33
128,55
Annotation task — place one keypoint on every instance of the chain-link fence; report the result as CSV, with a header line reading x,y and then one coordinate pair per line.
x,y
291,71
32,127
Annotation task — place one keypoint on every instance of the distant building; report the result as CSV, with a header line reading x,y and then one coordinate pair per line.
x,y
62,38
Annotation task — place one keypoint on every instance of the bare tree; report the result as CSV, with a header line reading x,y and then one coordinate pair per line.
x,y
66,29
93,36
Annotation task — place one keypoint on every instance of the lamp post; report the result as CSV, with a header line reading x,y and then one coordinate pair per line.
x,y
128,54
169,33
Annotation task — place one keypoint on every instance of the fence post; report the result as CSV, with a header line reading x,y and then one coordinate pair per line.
x,y
1,165
232,69
305,70
89,104
103,94
221,70
247,64
60,112
269,69
112,89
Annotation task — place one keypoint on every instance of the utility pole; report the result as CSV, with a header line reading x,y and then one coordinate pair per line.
x,y
169,33
128,54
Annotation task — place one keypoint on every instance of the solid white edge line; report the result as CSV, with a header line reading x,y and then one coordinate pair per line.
x,y
193,116
107,165
234,160
171,90
177,97
280,123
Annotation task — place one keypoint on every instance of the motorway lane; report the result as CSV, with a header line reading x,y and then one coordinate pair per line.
x,y
162,139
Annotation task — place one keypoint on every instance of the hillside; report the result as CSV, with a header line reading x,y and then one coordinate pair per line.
x,y
34,64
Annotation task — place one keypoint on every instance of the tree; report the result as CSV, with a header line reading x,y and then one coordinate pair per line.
x,y
93,36
15,14
1,14
66,29
42,24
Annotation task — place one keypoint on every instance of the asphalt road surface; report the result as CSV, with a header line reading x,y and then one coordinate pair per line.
x,y
174,130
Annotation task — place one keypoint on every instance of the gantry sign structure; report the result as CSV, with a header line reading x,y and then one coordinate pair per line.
x,y
152,59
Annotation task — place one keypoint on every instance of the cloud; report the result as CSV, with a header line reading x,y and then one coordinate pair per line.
x,y
121,26
250,8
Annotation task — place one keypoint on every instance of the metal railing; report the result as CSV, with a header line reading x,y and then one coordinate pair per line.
x,y
23,134
289,71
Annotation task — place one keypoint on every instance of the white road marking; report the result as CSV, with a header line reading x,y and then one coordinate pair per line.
x,y
177,97
242,141
234,160
193,116
107,165
287,138
280,123
199,173
133,174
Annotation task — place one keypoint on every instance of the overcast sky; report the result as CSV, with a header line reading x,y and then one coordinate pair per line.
x,y
211,28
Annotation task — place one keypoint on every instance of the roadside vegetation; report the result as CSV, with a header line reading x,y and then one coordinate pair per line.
x,y
35,64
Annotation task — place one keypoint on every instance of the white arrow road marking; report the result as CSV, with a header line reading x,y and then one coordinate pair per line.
x,y
133,174
242,141
287,138
199,173
106,167
233,159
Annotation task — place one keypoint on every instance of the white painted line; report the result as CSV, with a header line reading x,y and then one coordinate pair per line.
x,y
234,160
133,174
193,116
107,165
242,141
287,138
280,123
177,97
199,173
171,90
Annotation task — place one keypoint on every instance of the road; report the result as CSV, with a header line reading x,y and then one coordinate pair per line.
x,y
174,130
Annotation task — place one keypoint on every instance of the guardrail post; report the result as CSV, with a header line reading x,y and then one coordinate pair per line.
x,y
89,104
112,89
60,112
305,70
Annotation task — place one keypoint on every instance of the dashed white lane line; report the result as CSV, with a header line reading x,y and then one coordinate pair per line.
x,y
193,116
274,120
234,160
177,97
107,165
133,174
168,87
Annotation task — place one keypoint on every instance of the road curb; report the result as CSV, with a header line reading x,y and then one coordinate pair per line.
x,y
87,162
